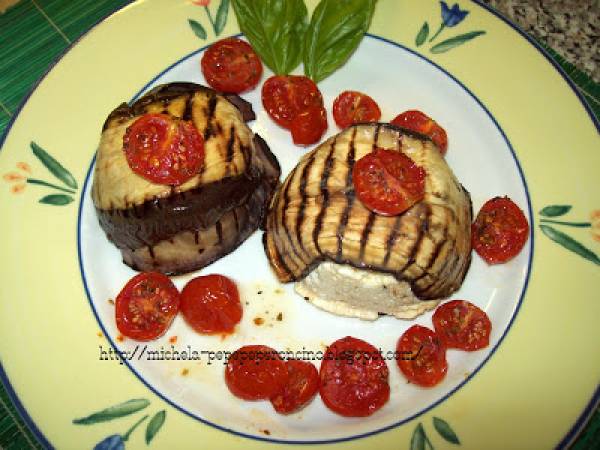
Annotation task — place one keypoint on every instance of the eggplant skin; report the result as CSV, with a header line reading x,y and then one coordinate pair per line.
x,y
315,216
190,249
177,229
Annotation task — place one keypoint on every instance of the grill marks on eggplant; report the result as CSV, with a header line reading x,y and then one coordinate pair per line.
x,y
317,217
349,200
284,227
175,229
416,247
365,236
235,218
391,240
210,114
325,195
303,200
219,229
187,113
230,145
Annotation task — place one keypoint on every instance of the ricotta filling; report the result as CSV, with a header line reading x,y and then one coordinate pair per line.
x,y
346,291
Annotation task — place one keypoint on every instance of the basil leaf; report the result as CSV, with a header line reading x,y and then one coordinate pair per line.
x,y
335,30
275,29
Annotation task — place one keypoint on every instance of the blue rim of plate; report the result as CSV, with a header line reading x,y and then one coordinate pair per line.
x,y
353,437
591,405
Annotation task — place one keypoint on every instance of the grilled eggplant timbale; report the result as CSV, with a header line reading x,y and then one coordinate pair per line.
x,y
177,229
354,262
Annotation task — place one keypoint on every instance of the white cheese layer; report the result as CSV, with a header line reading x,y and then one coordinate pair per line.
x,y
347,291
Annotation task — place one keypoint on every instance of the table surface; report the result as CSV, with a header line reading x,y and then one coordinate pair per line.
x,y
34,33
571,27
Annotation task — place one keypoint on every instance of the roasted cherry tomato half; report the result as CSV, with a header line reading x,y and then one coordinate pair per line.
x,y
286,96
163,149
423,356
461,324
352,107
146,306
255,372
354,378
301,387
309,125
500,230
231,65
388,182
211,304
422,123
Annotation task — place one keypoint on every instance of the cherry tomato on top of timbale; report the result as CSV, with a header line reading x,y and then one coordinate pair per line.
x,y
388,182
461,324
255,372
354,378
231,65
163,149
309,125
301,387
500,230
352,107
146,306
422,357
211,304
286,96
422,123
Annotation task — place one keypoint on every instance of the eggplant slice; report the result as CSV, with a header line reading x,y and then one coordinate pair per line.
x,y
179,229
353,262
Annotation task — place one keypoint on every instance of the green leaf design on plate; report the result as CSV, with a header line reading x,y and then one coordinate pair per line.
x,y
154,425
197,28
53,166
417,441
114,412
570,224
449,44
221,18
50,185
569,243
445,430
555,210
56,199
422,36
125,437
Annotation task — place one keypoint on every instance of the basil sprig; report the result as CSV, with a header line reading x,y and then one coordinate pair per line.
x,y
336,28
275,29
279,32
